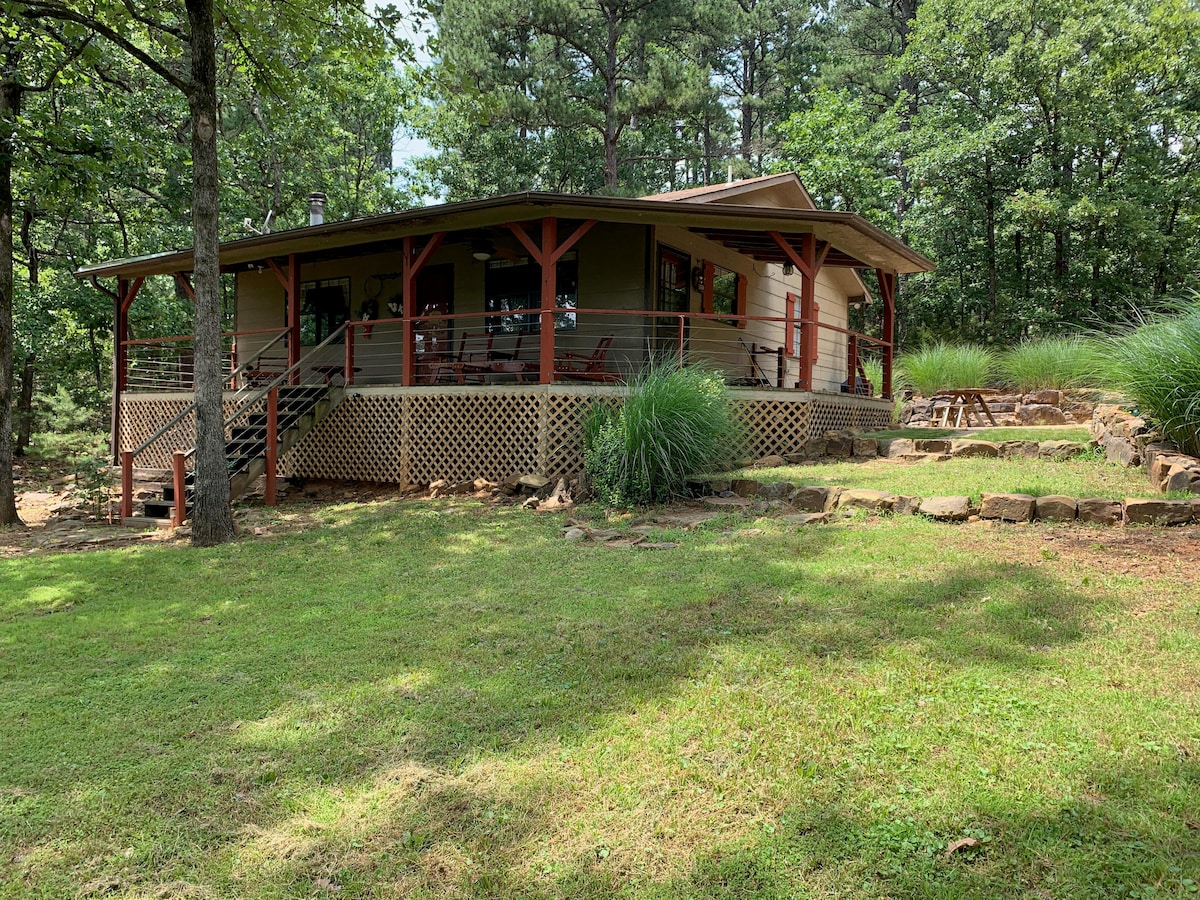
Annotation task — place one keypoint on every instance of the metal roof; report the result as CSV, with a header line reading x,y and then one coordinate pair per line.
x,y
854,240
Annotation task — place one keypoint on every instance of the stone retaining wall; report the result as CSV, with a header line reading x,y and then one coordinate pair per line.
x,y
1129,440
1033,408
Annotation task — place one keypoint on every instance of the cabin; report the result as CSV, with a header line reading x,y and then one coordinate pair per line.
x,y
468,339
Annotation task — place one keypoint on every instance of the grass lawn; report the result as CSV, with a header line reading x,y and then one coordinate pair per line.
x,y
1077,477
438,700
1024,433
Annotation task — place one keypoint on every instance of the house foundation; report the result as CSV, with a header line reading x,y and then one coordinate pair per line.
x,y
406,435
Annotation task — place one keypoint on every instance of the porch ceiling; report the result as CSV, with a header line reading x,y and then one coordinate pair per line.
x,y
854,241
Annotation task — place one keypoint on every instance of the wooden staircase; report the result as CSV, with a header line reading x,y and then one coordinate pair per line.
x,y
300,408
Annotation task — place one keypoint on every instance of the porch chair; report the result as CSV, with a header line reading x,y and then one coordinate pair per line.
x,y
579,367
474,359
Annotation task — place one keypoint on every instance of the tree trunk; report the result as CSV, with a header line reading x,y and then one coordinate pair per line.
x,y
10,108
25,408
212,516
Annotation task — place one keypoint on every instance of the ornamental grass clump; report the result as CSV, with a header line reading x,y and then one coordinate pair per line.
x,y
674,423
1157,367
944,366
1053,363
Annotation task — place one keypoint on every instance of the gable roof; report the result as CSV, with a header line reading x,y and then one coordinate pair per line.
x,y
854,241
783,191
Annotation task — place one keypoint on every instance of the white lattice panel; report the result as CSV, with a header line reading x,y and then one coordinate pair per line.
x,y
836,414
772,426
142,416
359,441
463,435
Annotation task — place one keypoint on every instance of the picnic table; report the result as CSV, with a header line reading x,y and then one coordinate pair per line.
x,y
962,402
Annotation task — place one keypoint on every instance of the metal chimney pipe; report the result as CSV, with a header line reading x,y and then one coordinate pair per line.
x,y
316,208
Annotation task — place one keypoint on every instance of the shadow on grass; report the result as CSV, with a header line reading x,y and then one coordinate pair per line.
x,y
222,695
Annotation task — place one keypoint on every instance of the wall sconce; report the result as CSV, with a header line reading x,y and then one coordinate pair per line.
x,y
788,268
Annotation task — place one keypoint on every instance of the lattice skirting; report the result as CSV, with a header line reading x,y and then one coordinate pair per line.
x,y
144,414
421,435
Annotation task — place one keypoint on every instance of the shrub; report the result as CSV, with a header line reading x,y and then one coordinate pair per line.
x,y
873,366
675,422
1053,364
943,366
1157,366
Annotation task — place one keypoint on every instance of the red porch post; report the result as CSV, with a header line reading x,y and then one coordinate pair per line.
x,y
348,369
126,484
272,460
887,287
179,480
549,264
808,260
547,257
413,263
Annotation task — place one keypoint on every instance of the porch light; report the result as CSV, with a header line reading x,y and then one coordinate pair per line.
x,y
788,268
483,249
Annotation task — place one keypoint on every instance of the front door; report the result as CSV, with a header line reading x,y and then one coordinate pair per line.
x,y
434,336
674,296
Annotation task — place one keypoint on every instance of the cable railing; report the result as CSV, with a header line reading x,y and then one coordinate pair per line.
x,y
168,364
607,346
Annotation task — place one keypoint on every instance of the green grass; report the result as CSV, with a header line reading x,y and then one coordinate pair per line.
x,y
1157,366
943,366
1079,477
435,700
1004,433
1053,363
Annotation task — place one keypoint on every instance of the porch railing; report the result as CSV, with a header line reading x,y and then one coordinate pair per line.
x,y
602,345
165,364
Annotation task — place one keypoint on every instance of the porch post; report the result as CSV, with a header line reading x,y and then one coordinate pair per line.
x,y
120,335
408,344
808,309
293,315
549,263
887,287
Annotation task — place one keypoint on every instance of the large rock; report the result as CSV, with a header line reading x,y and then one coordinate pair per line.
x,y
745,487
774,461
969,448
1018,449
1182,478
904,505
719,485
1158,512
1043,398
838,445
1040,414
1007,507
931,445
1055,507
861,498
865,448
1098,510
725,502
812,518
533,482
953,509
814,498
775,490
1060,449
895,448
1120,450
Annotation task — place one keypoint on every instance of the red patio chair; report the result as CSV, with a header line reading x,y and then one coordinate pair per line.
x,y
579,367
474,359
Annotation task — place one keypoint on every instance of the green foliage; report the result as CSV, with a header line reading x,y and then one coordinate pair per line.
x,y
1157,366
941,366
1053,363
675,422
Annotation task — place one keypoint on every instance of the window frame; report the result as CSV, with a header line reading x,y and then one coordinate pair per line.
x,y
527,319
324,317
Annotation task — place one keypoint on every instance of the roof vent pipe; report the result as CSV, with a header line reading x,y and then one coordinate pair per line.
x,y
316,208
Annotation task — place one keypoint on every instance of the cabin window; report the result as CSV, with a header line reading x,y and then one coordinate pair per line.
x,y
324,306
513,294
728,295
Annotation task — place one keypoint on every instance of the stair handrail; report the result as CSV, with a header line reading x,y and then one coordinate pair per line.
x,y
297,366
241,369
